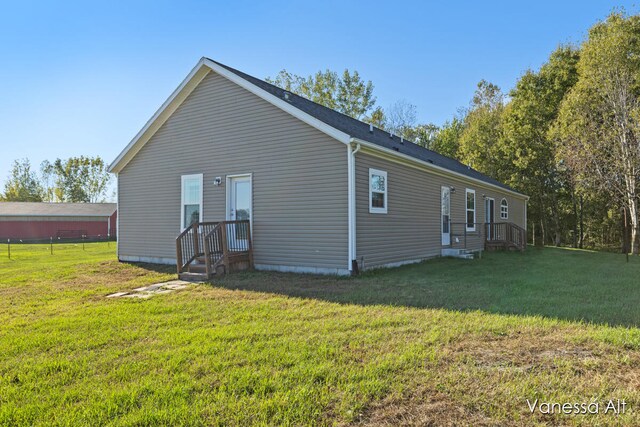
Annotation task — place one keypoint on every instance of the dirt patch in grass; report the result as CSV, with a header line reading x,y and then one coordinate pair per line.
x,y
425,407
470,389
114,273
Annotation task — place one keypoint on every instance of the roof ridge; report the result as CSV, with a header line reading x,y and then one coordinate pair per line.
x,y
396,138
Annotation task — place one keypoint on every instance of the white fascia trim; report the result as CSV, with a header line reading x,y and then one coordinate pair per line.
x,y
435,168
280,103
169,106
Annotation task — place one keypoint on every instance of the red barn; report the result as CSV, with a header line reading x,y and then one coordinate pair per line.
x,y
32,220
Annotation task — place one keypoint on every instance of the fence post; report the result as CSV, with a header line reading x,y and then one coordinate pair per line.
x,y
51,244
83,242
9,247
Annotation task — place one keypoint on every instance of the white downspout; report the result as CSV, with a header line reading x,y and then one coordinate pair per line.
x,y
351,177
118,216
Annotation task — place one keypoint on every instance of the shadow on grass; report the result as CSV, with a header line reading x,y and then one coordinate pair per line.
x,y
559,283
156,268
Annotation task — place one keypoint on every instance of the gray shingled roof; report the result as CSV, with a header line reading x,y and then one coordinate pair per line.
x,y
360,130
56,209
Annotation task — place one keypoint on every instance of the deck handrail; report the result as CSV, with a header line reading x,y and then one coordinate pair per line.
x,y
220,243
228,243
508,233
189,243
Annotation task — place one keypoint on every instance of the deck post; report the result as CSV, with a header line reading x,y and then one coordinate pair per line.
x,y
179,254
465,236
196,242
207,257
225,247
250,245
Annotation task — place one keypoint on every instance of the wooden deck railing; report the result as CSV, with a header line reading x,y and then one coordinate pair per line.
x,y
485,235
507,233
226,243
190,243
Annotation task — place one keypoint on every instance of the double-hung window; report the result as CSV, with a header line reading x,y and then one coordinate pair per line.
x,y
377,191
191,200
504,209
471,209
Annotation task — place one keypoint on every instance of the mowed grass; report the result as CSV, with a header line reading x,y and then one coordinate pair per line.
x,y
445,342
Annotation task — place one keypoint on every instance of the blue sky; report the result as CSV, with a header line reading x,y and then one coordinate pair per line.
x,y
83,77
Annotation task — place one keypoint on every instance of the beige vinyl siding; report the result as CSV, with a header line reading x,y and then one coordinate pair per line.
x,y
411,229
299,178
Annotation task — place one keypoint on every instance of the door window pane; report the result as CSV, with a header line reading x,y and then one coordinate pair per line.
x,y
243,200
191,214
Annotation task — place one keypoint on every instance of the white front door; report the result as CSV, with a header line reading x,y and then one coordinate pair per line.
x,y
239,203
446,216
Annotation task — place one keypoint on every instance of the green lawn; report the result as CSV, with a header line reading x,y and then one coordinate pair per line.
x,y
443,342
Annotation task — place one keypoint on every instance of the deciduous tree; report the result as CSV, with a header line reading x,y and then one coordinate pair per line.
x,y
22,184
346,93
599,121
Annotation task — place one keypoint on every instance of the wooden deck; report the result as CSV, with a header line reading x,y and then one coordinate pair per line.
x,y
209,248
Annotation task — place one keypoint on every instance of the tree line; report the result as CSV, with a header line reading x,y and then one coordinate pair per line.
x,y
76,179
567,134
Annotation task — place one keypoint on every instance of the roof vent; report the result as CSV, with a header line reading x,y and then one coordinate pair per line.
x,y
402,140
391,135
468,165
370,128
287,96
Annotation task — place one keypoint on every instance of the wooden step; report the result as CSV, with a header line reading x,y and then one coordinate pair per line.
x,y
192,277
197,268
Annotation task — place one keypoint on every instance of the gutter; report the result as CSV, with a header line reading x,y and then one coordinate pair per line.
x,y
351,203
436,168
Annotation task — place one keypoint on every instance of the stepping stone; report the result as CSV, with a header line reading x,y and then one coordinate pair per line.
x,y
144,296
117,294
175,286
163,291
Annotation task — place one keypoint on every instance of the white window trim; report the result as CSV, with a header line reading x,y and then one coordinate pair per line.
x,y
466,209
386,191
506,214
182,178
